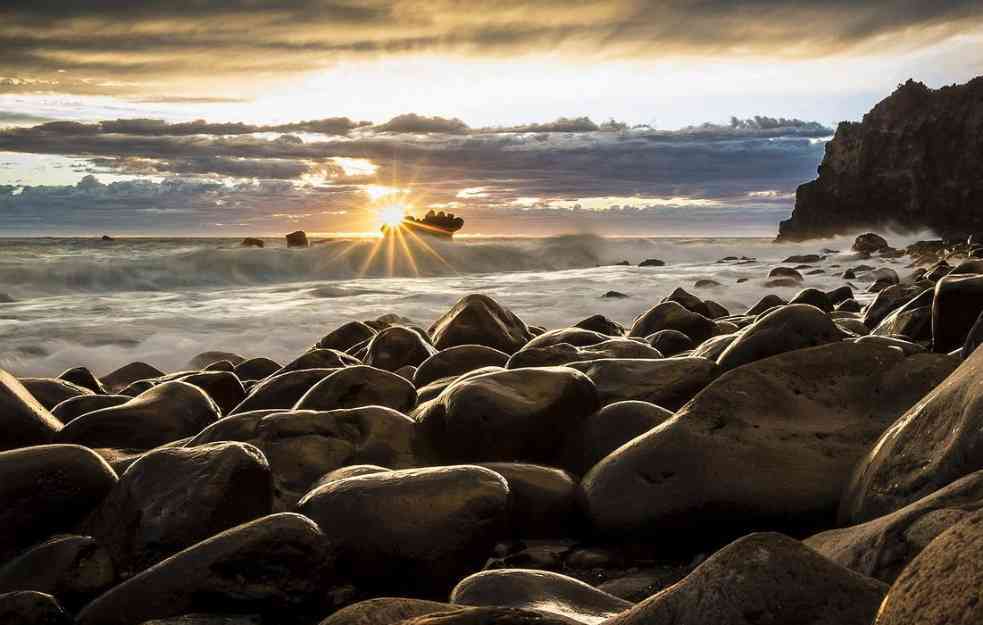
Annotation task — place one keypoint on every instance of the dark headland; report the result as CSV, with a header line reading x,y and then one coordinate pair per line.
x,y
817,460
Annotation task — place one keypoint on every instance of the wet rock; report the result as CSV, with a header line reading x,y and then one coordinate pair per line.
x,y
346,336
252,242
905,346
479,320
281,391
73,569
138,387
652,262
602,325
786,273
670,342
303,445
576,337
435,388
763,578
974,338
414,531
75,407
706,283
223,387
882,547
204,359
47,489
930,446
765,303
791,327
51,391
321,359
615,295
23,420
688,301
276,565
256,368
457,360
914,323
543,501
564,353
128,374
81,376
851,326
715,310
297,239
958,302
385,611
28,607
803,258
674,316
608,429
357,386
539,590
397,346
170,499
167,412
813,297
869,243
514,415
668,382
769,444
849,305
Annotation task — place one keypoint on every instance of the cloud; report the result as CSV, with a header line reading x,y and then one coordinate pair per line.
x,y
412,123
94,47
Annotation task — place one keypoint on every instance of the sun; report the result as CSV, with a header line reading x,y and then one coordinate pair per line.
x,y
392,215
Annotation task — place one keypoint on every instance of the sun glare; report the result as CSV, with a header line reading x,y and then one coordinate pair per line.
x,y
392,215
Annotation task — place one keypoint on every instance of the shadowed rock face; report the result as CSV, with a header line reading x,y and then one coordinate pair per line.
x,y
913,162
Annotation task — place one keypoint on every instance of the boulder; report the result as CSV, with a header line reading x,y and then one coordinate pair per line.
x,y
385,611
652,262
479,320
803,258
81,376
204,359
670,342
973,339
715,310
319,359
933,444
73,569
46,490
256,368
958,302
882,547
281,391
765,303
763,578
840,294
543,501
785,273
789,328
666,382
128,374
27,607
277,564
297,239
539,590
170,499
711,349
252,242
688,301
608,429
457,360
222,387
353,387
397,346
514,415
346,336
23,420
564,353
414,531
769,444
814,297
577,337
165,413
671,315
602,325
869,243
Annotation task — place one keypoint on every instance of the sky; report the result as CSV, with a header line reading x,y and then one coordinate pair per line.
x,y
620,117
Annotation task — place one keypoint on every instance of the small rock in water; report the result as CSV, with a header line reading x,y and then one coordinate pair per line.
x,y
615,295
652,262
106,237
869,243
297,239
252,242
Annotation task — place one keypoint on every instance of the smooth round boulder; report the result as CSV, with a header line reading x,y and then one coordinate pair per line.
x,y
277,563
513,415
47,489
396,347
608,429
73,569
281,391
576,337
564,353
413,531
165,413
385,611
671,315
942,584
361,385
601,324
223,387
170,499
869,243
539,590
205,359
28,607
813,297
128,374
670,342
689,301
973,339
785,273
81,376
543,500
23,420
763,578
70,409
346,336
769,444
256,368
789,328
319,359
666,382
479,320
957,304
454,361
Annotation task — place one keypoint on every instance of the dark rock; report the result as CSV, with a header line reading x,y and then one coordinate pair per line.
x,y
840,294
667,382
576,337
869,243
967,267
417,530
204,359
514,415
352,387
81,376
882,547
435,388
47,489
297,239
137,388
786,273
457,360
128,374
564,353
608,429
543,501
252,242
915,324
851,326
706,284
281,391
167,412
74,569
256,368
276,565
814,297
324,359
170,499
23,420
27,607
652,262
670,342
71,409
803,258
780,437
674,316
52,391
346,336
538,590
385,611
763,578
688,301
849,305
221,365
601,324
397,346
715,310
223,387
791,327
615,295
932,445
765,303
479,320
957,304
973,339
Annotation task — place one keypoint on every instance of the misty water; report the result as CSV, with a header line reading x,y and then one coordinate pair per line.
x,y
70,302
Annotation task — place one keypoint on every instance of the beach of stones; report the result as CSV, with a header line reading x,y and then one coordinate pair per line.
x,y
811,461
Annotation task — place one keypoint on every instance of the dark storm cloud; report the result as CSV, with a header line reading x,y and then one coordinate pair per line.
x,y
412,123
113,46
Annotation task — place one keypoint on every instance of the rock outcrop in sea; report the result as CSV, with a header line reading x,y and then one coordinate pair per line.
x,y
913,163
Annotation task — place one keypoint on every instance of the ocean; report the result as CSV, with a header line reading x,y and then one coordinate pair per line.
x,y
69,302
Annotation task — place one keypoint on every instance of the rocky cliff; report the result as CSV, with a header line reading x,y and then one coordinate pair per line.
x,y
914,162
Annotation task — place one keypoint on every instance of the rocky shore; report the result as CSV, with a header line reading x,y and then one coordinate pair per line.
x,y
810,461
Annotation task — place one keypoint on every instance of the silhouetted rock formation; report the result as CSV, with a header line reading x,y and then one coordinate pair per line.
x,y
297,239
913,162
252,242
441,224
